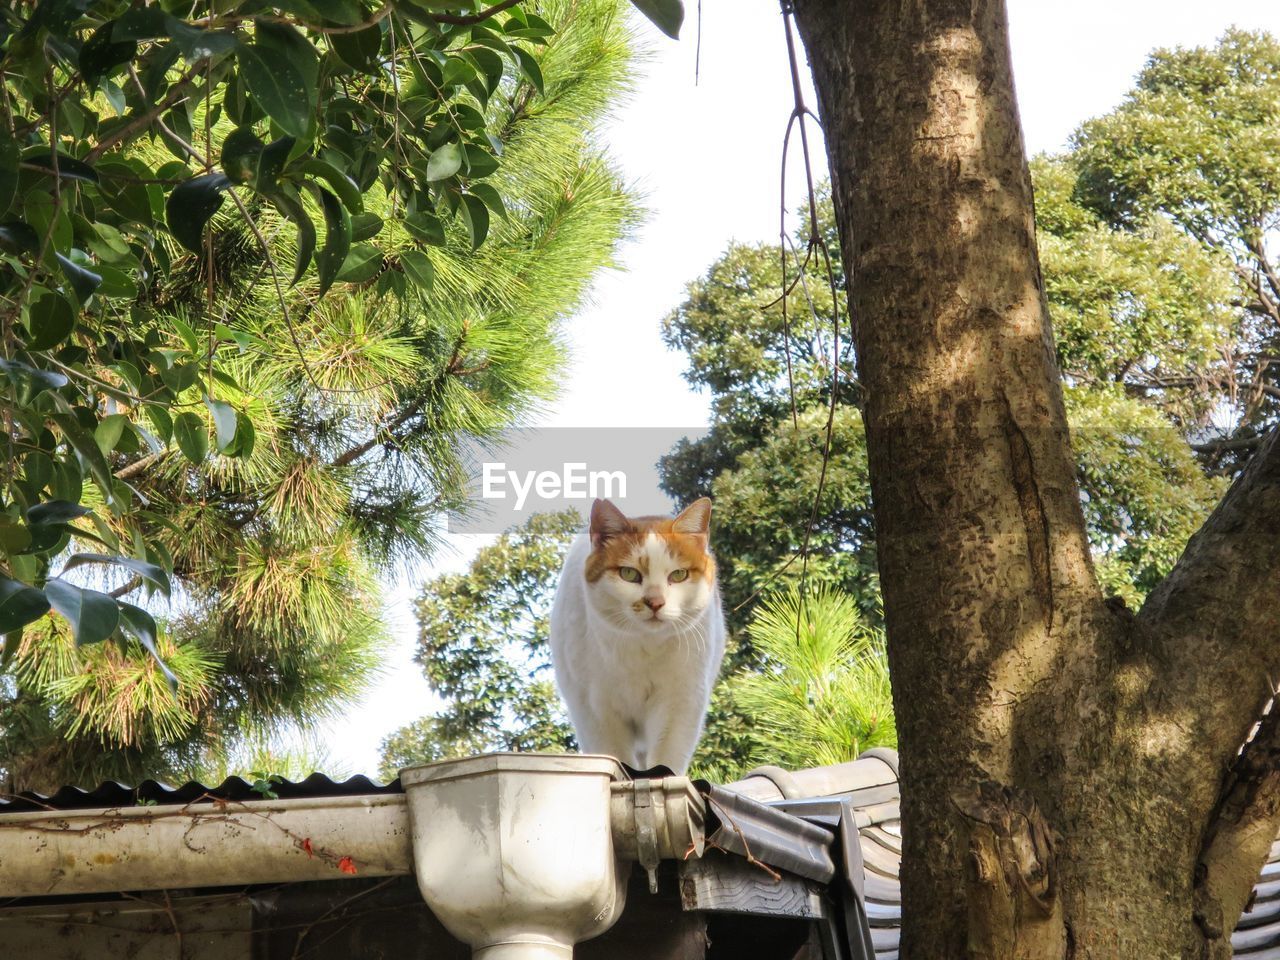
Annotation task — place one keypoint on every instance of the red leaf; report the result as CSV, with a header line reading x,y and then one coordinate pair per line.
x,y
347,865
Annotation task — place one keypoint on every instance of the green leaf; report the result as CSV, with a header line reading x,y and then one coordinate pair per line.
x,y
444,162
240,154
162,422
50,320
46,538
337,239
180,376
243,339
20,604
359,50
93,616
69,168
418,268
149,572
492,199
287,43
83,443
83,281
187,334
14,537
271,163
362,263
224,422
132,200
342,185
191,205
8,174
34,380
17,237
142,626
140,23
197,43
108,432
529,68
55,511
281,71
476,216
192,436
245,438
289,204
456,72
342,12
103,52
425,227
365,226
666,15
480,162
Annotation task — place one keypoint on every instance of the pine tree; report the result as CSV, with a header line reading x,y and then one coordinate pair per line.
x,y
361,405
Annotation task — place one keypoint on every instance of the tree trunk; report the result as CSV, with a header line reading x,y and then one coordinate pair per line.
x,y
1071,785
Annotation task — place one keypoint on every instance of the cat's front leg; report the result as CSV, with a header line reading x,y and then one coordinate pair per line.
x,y
611,733
674,737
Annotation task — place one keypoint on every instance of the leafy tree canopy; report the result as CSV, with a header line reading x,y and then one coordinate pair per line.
x,y
247,321
1196,145
482,644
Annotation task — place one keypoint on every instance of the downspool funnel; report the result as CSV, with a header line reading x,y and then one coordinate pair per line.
x,y
514,852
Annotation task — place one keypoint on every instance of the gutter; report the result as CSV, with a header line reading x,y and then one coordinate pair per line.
x,y
219,843
519,855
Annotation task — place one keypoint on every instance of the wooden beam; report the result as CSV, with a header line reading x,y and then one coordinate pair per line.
x,y
728,884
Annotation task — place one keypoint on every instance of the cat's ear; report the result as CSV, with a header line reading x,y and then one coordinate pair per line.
x,y
607,522
695,518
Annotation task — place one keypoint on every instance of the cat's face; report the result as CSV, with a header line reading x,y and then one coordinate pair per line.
x,y
650,573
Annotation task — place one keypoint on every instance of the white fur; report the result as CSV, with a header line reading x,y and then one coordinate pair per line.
x,y
636,683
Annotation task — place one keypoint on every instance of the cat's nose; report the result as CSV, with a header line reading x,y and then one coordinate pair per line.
x,y
654,603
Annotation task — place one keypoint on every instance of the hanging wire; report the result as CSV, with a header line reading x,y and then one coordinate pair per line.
x,y
815,245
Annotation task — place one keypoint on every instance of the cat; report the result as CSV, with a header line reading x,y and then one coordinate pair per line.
x,y
637,634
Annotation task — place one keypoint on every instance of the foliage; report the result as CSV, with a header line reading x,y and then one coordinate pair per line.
x,y
1196,145
820,694
294,118
277,435
482,644
1143,490
731,327
751,513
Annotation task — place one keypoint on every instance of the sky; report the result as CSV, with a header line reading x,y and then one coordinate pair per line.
x,y
706,157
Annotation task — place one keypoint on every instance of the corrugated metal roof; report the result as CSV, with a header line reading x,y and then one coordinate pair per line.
x,y
112,794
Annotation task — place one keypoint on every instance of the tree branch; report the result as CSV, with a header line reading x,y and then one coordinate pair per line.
x,y
386,433
1265,266
473,18
1211,624
1239,837
176,94
1223,446
126,588
351,454
129,471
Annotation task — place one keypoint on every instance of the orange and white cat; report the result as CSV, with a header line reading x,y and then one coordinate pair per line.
x,y
637,634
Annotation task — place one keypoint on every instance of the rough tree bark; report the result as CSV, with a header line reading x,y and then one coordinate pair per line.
x,y
1071,775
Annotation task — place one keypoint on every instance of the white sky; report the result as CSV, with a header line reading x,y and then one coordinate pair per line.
x,y
706,158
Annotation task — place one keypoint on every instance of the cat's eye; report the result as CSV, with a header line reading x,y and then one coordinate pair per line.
x,y
629,574
678,576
